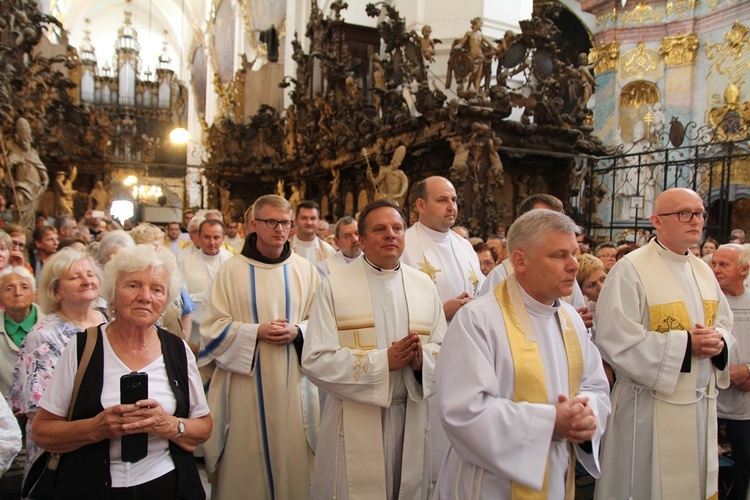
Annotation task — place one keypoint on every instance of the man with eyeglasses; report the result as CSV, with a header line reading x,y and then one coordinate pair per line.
x,y
266,411
346,235
664,326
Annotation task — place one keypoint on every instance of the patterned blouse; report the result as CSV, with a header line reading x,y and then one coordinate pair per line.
x,y
36,361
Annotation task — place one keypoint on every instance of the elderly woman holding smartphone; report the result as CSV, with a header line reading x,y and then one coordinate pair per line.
x,y
139,283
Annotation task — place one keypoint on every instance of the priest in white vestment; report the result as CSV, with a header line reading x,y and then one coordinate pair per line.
x,y
451,263
305,242
663,325
199,271
346,235
265,411
521,389
448,259
373,340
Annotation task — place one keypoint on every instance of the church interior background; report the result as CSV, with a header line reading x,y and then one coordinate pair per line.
x,y
603,103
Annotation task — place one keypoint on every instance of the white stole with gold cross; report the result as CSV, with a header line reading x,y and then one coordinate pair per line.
x,y
363,442
676,419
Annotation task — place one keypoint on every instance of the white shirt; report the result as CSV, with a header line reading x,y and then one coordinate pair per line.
x,y
56,400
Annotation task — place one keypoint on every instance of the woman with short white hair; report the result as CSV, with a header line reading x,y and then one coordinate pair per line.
x,y
68,287
18,315
139,283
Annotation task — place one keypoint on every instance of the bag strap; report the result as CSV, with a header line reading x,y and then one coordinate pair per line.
x,y
88,350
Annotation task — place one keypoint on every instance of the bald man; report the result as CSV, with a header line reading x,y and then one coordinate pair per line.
x,y
664,326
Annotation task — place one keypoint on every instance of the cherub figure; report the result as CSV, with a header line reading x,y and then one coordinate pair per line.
x,y
426,43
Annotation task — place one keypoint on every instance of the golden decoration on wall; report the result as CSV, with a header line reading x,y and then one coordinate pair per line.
x,y
731,119
637,94
680,7
641,14
238,94
606,18
681,49
729,56
641,63
607,55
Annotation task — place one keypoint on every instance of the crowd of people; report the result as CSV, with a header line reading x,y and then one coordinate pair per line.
x,y
375,358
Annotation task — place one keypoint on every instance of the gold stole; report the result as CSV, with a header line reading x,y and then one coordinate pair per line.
x,y
530,384
676,415
363,442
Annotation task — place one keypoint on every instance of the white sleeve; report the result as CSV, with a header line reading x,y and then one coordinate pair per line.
x,y
198,404
10,436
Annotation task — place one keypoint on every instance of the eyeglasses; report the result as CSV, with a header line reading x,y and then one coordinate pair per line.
x,y
272,223
686,216
18,244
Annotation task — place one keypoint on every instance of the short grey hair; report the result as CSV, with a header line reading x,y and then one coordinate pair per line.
x,y
344,221
535,224
112,241
140,258
20,271
147,233
743,253
54,270
195,223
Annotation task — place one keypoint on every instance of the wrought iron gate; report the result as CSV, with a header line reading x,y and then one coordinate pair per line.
x,y
620,189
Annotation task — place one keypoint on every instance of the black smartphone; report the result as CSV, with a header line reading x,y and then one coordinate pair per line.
x,y
134,387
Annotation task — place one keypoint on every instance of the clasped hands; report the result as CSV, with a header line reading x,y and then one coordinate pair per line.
x,y
407,351
705,342
277,332
575,419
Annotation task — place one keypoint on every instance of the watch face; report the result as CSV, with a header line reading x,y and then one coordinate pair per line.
x,y
181,428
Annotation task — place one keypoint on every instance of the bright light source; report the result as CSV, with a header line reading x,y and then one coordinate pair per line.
x,y
179,136
130,180
121,210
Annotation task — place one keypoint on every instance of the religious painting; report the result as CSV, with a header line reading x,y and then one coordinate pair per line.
x,y
199,75
223,41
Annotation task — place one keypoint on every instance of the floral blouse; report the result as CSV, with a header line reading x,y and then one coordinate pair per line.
x,y
35,364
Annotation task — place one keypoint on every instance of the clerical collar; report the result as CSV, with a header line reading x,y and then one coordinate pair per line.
x,y
686,254
250,250
381,269
436,235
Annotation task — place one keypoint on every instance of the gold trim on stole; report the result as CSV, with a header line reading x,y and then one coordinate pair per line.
x,y
678,477
530,385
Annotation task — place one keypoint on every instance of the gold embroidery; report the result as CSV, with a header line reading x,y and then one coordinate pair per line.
x,y
427,268
666,317
474,279
362,363
709,311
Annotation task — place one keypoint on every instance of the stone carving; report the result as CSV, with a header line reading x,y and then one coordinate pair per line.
x,y
29,177
64,192
391,182
100,198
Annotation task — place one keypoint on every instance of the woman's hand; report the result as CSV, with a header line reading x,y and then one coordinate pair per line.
x,y
147,415
110,423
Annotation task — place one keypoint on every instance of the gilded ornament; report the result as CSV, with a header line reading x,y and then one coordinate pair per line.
x,y
641,14
729,57
639,93
606,18
731,119
607,55
680,7
681,49
639,62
